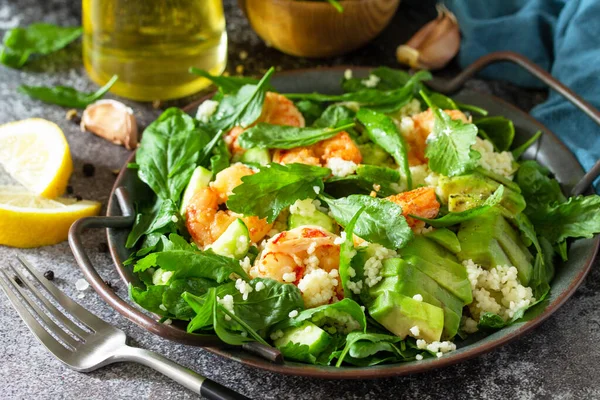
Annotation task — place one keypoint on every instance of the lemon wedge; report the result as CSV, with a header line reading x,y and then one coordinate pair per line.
x,y
28,220
36,154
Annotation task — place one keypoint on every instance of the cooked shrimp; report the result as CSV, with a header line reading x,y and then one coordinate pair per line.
x,y
277,110
206,222
340,146
417,137
420,202
306,256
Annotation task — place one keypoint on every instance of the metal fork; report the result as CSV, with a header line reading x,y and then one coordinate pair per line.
x,y
99,344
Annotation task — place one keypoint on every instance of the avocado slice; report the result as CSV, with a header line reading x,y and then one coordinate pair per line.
x,y
399,313
489,240
307,334
445,238
425,247
404,278
318,218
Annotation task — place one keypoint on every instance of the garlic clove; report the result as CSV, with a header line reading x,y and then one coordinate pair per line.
x,y
113,121
434,45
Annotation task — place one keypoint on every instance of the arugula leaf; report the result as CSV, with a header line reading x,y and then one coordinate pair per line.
x,y
471,108
191,264
203,307
543,270
226,84
449,144
383,132
537,187
66,96
454,218
389,79
578,217
498,130
242,108
335,116
20,43
381,100
268,136
380,222
169,152
150,299
517,152
311,110
221,158
347,252
276,187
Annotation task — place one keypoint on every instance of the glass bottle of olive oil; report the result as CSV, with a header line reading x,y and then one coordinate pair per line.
x,y
151,44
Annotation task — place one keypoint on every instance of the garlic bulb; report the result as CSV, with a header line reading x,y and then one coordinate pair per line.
x,y
434,45
113,121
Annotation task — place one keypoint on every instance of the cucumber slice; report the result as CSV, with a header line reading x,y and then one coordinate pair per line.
x,y
200,179
256,156
234,242
318,219
161,277
308,334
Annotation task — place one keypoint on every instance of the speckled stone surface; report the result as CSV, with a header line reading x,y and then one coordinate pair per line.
x,y
559,360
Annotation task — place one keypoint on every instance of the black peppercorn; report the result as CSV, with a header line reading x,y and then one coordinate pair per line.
x,y
49,275
78,197
69,189
88,170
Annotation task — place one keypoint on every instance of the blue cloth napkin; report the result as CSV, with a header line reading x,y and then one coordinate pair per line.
x,y
563,37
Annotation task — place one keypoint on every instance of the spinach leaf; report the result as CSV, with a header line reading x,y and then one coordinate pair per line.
x,y
20,43
441,101
336,116
237,339
517,152
347,252
383,132
158,218
380,100
311,110
150,299
221,158
354,337
471,108
378,174
268,136
175,304
242,108
276,187
226,84
578,217
299,352
454,218
538,189
449,144
191,264
345,315
498,130
66,96
489,320
380,222
168,153
358,184
389,79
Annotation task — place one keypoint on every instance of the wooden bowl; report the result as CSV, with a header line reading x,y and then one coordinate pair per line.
x,y
315,28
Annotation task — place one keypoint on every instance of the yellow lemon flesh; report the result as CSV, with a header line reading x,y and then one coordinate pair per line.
x,y
36,154
28,220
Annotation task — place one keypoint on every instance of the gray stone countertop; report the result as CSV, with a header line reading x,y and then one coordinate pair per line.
x,y
558,360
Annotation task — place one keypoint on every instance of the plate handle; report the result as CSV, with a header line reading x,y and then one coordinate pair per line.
x,y
454,84
127,310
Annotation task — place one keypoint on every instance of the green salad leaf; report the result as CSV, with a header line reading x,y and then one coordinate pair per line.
x,y
221,157
268,136
342,315
275,187
159,217
41,38
226,84
203,307
376,343
538,189
241,108
336,116
192,264
518,151
454,218
175,304
383,131
150,299
357,184
388,79
498,130
169,152
311,110
449,144
380,222
66,96
347,252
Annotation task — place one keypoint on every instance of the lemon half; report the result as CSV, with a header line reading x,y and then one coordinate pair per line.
x,y
28,220
35,153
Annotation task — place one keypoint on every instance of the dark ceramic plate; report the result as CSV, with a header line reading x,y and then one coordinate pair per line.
x,y
549,151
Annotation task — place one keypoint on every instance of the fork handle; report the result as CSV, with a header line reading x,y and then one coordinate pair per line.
x,y
184,376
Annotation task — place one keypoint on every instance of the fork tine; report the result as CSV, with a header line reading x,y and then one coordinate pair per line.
x,y
83,315
53,345
51,325
55,312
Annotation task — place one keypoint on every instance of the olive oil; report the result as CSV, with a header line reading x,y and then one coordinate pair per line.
x,y
150,45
